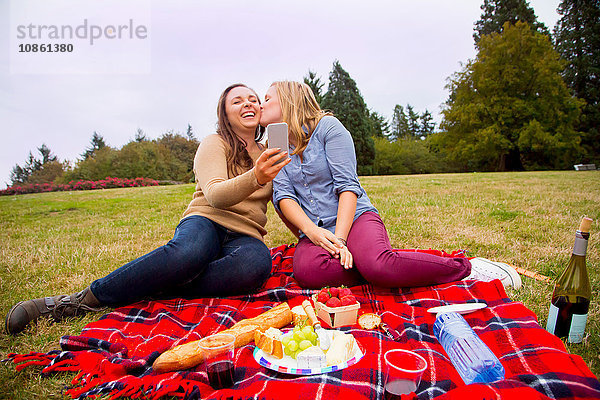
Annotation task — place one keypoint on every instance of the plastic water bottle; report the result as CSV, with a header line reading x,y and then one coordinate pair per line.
x,y
473,360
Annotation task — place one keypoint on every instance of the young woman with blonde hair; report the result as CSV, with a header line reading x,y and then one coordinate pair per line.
x,y
319,193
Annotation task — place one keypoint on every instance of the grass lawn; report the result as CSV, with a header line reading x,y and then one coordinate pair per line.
x,y
54,243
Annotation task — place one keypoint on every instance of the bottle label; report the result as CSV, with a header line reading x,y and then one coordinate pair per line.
x,y
577,328
580,247
552,316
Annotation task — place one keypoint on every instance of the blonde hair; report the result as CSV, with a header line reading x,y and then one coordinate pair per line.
x,y
299,109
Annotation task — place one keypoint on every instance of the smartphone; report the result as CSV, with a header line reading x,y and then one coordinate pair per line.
x,y
277,136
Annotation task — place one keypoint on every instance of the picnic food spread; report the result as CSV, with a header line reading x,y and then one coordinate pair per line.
x,y
188,355
307,346
302,344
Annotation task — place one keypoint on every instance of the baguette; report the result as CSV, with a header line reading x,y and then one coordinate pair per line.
x,y
269,341
189,354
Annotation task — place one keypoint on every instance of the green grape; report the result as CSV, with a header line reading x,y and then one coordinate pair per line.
x,y
313,338
295,354
292,345
297,328
285,340
308,330
305,344
299,336
287,351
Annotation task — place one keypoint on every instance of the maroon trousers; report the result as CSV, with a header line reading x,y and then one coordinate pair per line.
x,y
374,261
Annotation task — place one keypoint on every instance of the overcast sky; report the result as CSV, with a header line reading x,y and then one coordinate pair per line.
x,y
397,51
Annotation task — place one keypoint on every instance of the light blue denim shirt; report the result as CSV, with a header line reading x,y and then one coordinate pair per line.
x,y
328,169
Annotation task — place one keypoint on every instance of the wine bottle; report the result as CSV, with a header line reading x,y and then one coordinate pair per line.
x,y
572,292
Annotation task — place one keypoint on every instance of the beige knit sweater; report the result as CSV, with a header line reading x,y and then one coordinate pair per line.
x,y
239,203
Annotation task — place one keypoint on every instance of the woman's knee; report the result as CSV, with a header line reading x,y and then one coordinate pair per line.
x,y
184,254
316,270
377,268
259,263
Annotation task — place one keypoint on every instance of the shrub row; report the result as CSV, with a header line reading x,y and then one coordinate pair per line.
x,y
107,183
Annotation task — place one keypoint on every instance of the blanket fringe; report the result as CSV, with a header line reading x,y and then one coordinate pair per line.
x,y
134,388
31,359
89,384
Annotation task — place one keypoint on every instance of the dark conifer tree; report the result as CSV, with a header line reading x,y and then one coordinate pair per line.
x,y
497,12
96,143
577,40
316,85
344,99
381,127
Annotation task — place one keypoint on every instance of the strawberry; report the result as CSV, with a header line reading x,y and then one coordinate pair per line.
x,y
348,300
344,291
335,292
333,302
323,296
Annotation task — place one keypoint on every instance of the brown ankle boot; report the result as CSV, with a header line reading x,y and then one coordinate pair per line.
x,y
57,307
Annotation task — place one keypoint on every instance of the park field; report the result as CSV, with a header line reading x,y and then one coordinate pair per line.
x,y
54,243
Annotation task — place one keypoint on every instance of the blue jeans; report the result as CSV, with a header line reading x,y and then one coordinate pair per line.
x,y
202,260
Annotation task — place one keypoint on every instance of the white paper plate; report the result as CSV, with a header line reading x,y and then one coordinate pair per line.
x,y
288,365
463,308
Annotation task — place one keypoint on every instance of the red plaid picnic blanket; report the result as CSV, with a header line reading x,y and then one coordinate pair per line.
x,y
114,355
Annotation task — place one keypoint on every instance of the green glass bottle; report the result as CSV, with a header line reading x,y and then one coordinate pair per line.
x,y
572,292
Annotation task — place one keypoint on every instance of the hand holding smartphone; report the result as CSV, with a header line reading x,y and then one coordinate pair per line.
x,y
277,136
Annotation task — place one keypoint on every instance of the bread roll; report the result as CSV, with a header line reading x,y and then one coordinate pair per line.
x,y
369,321
269,341
189,354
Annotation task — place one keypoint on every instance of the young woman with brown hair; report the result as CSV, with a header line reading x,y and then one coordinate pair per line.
x,y
217,248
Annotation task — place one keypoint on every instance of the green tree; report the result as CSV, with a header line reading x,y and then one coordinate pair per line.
x,y
140,136
381,127
100,166
96,143
404,156
46,154
182,151
413,122
50,172
399,124
577,39
190,133
427,126
170,157
344,99
497,12
315,84
509,108
20,175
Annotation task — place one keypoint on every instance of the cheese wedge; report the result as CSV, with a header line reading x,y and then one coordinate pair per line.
x,y
311,358
341,349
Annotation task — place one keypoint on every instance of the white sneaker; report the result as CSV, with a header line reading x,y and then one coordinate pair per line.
x,y
485,270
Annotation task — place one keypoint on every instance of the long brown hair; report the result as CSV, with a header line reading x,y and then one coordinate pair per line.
x,y
299,108
238,158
